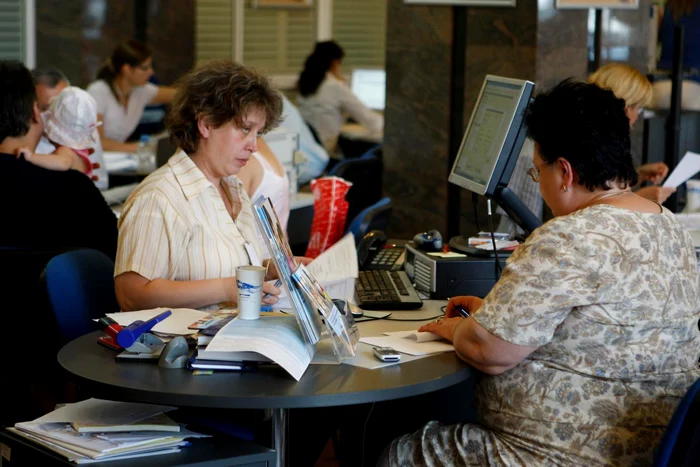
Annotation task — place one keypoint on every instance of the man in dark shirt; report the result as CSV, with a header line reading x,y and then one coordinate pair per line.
x,y
40,208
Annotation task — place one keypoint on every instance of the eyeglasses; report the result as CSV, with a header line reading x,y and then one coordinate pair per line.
x,y
534,174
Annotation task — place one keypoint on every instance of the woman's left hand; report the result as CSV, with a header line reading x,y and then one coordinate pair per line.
x,y
444,327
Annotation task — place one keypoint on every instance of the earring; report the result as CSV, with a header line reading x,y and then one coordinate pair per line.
x,y
565,188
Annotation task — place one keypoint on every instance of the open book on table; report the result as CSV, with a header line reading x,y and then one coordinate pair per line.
x,y
277,338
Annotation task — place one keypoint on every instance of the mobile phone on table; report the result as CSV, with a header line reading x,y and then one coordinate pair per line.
x,y
386,354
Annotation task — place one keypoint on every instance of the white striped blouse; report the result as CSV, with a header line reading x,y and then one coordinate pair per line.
x,y
175,226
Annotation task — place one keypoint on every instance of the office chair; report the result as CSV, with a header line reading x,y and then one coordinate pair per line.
x,y
680,444
27,314
374,217
80,287
367,177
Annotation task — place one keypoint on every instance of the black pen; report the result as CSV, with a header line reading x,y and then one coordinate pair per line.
x,y
463,313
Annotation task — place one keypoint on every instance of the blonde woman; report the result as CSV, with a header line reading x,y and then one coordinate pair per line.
x,y
634,88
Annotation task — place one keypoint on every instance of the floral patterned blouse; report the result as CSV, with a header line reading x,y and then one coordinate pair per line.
x,y
611,299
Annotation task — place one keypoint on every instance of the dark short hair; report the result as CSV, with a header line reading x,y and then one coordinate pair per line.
x,y
48,76
221,91
587,126
17,98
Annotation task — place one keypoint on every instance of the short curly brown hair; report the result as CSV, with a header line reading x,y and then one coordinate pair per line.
x,y
221,91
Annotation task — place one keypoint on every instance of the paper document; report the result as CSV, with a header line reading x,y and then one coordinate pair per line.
x,y
416,335
407,342
336,263
686,168
364,358
103,412
335,269
174,325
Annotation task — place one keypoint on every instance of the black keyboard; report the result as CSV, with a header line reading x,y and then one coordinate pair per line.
x,y
386,290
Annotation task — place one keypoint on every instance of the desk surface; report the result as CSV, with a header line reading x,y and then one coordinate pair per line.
x,y
358,131
269,387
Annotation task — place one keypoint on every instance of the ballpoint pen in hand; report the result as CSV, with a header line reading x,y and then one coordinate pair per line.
x,y
462,312
277,284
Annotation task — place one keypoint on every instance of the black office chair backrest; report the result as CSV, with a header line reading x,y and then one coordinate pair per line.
x,y
374,217
164,150
366,175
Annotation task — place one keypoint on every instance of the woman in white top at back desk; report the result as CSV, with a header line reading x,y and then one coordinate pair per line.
x,y
264,175
122,91
325,98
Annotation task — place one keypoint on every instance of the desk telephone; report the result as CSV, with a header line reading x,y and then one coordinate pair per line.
x,y
374,254
382,284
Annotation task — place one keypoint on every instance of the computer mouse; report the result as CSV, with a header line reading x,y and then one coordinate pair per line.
x,y
429,241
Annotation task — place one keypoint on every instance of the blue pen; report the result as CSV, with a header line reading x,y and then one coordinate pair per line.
x,y
277,284
464,313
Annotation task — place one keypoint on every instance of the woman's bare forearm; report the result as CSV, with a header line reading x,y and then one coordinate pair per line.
x,y
135,292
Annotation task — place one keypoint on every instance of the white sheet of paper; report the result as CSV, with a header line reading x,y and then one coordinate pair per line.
x,y
416,335
174,325
336,263
409,346
686,168
364,358
103,412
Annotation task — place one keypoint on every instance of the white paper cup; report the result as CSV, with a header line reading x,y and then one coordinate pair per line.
x,y
692,196
249,280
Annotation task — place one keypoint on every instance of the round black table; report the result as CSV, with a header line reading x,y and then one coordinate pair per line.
x,y
268,388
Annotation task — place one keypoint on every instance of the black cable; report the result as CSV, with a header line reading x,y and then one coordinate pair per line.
x,y
475,202
493,241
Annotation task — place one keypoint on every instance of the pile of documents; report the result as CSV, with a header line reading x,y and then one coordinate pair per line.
x,y
98,430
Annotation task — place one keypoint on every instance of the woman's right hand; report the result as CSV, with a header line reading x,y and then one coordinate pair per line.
x,y
469,303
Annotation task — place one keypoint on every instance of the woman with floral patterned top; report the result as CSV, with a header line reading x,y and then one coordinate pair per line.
x,y
590,338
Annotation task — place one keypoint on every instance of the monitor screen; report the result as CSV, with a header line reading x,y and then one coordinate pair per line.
x,y
370,87
493,133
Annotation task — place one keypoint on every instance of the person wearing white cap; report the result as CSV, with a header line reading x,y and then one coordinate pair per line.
x,y
69,125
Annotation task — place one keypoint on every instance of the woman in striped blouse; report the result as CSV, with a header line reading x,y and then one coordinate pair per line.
x,y
186,228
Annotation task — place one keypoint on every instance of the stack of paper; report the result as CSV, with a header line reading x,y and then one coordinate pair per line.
x,y
97,430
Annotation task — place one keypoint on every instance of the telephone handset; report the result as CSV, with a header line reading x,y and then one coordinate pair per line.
x,y
374,253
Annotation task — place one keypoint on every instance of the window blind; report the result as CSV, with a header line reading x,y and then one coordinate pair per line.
x,y
11,30
214,29
359,26
276,41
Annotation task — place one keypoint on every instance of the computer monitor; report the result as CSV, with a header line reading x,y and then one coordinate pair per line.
x,y
370,87
491,146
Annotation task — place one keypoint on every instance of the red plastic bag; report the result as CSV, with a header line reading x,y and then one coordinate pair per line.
x,y
330,213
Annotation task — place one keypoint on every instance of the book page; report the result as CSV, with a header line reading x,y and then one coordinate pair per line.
x,y
276,337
